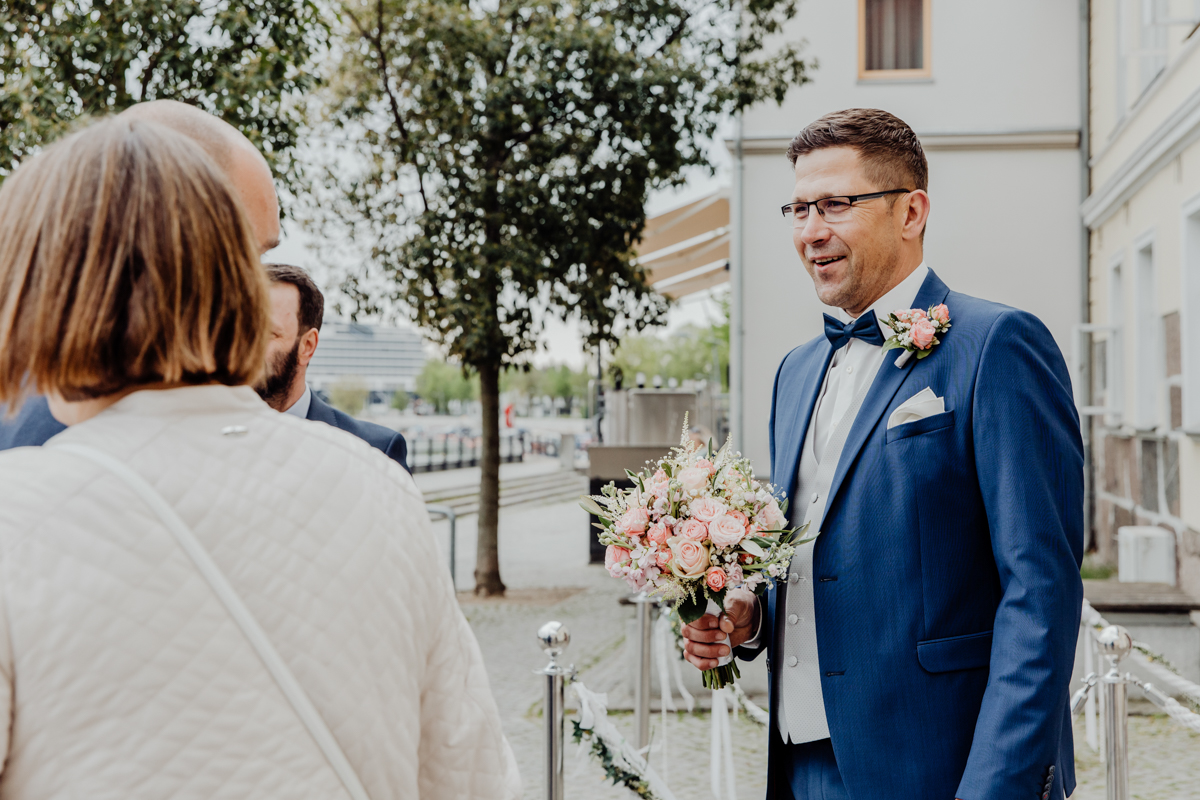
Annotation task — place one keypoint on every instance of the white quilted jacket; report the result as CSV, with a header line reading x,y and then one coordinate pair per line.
x,y
124,676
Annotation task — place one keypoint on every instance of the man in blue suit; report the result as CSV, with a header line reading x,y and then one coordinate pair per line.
x,y
297,310
922,645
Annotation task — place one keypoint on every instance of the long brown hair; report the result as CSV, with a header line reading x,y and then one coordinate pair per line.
x,y
126,260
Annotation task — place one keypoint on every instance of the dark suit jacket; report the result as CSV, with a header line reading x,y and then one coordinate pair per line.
x,y
385,439
946,572
31,427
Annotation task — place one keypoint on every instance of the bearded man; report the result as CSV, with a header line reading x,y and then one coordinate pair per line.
x,y
297,310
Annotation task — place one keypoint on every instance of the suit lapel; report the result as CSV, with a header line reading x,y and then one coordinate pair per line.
x,y
883,389
802,388
319,411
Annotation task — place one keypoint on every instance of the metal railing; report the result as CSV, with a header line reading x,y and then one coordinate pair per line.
x,y
554,638
455,451
446,512
1113,644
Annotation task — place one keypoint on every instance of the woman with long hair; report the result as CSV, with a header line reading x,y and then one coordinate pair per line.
x,y
200,596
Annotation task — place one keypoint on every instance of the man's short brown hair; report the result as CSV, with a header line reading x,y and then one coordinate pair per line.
x,y
891,153
312,302
126,260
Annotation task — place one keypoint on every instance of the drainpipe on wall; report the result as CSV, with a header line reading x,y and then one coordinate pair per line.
x,y
1085,283
736,317
737,367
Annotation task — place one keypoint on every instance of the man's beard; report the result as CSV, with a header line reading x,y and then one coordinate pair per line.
x,y
281,372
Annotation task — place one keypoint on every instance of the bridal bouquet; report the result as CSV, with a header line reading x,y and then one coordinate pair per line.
x,y
693,526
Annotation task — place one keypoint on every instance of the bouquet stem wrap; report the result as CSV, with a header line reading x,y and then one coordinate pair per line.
x,y
726,672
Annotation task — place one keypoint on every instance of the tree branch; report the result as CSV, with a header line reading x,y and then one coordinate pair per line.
x,y
393,101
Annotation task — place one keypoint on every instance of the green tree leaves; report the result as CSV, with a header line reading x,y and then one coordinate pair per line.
x,y
247,62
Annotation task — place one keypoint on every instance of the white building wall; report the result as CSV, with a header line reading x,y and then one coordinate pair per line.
x,y
999,119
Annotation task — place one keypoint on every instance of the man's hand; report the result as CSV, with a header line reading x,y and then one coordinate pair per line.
x,y
738,623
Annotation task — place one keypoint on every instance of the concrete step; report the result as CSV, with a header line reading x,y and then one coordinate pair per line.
x,y
554,487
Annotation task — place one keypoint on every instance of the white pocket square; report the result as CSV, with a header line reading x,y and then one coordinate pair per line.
x,y
921,405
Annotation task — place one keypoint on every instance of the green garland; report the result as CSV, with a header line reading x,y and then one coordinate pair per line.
x,y
619,775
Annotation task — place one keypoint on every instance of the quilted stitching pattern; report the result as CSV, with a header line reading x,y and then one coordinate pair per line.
x,y
126,678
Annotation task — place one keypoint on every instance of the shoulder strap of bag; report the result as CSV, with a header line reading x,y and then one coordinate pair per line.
x,y
254,633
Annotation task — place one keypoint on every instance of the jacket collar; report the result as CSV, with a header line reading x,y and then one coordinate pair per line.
x,y
208,399
321,411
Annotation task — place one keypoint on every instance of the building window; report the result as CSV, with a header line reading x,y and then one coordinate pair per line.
x,y
1189,320
1147,340
1173,386
894,39
1114,351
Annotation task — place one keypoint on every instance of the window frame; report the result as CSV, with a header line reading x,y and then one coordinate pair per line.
x,y
1149,352
926,71
1189,313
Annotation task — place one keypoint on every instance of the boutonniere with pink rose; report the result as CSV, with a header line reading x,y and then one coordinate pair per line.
x,y
916,331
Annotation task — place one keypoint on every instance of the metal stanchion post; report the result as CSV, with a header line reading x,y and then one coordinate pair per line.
x,y
554,638
642,690
1115,643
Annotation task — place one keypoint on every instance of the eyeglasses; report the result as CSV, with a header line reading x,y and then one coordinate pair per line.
x,y
832,209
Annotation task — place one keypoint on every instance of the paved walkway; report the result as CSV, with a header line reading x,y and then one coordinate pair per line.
x,y
544,562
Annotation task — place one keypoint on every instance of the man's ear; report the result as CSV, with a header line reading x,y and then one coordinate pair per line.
x,y
916,214
308,346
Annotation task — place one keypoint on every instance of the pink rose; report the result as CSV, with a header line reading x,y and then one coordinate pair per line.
x,y
689,559
922,334
658,533
715,578
663,558
771,516
634,520
693,529
940,313
707,509
705,464
693,479
727,530
614,557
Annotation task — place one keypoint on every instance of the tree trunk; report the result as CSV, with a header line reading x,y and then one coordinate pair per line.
x,y
487,557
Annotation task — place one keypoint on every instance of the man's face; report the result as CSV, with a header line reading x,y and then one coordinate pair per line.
x,y
851,262
283,348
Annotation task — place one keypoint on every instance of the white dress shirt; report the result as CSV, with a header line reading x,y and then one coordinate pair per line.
x,y
851,370
858,362
300,407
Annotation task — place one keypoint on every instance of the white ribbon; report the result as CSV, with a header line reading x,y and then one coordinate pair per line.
x,y
593,716
721,751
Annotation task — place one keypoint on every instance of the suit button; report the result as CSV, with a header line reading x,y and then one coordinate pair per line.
x,y
795,576
792,661
793,619
1051,769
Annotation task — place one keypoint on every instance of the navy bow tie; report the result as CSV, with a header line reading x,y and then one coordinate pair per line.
x,y
865,328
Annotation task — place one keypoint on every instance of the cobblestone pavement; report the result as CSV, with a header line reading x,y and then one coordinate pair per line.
x,y
544,563
1164,762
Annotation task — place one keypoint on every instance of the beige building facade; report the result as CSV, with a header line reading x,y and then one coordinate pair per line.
x,y
1143,219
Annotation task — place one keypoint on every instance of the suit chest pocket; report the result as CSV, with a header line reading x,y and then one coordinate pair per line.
x,y
919,427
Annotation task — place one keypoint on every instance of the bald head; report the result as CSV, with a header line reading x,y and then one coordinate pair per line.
x,y
245,167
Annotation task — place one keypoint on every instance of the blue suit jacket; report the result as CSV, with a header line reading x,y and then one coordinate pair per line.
x,y
946,573
385,439
32,426
35,424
